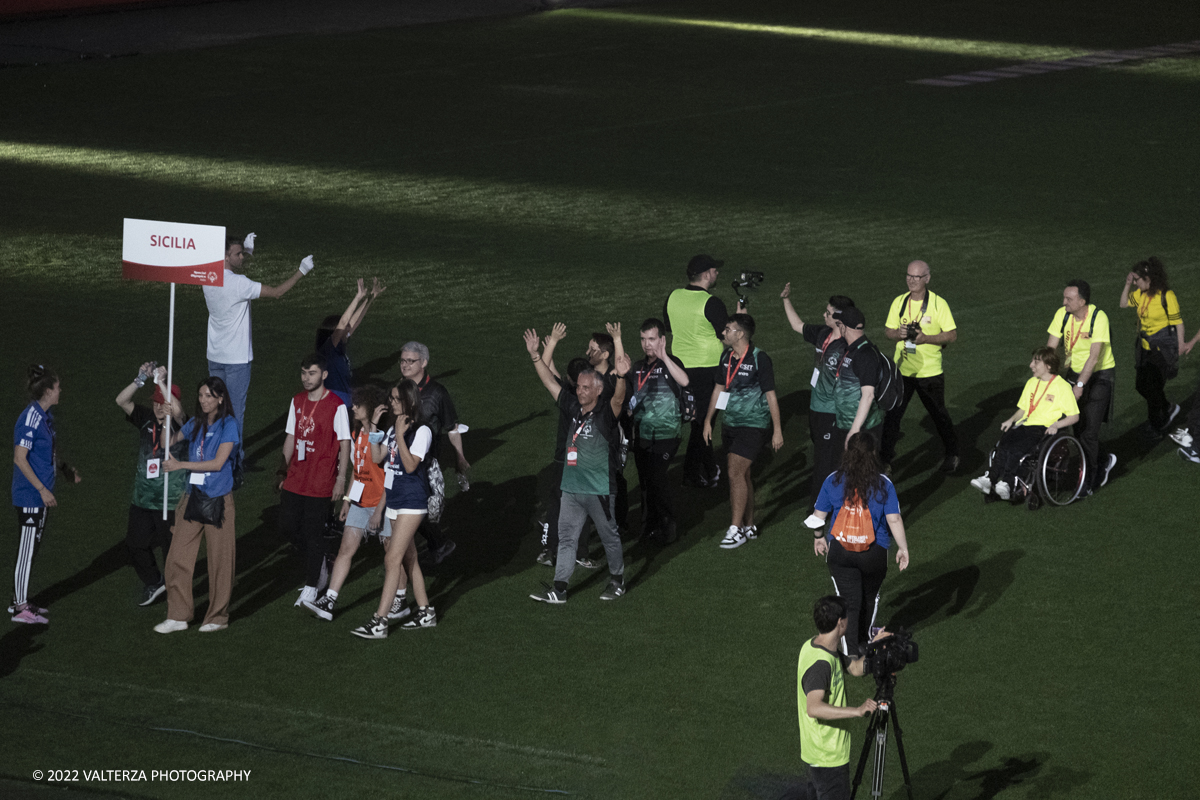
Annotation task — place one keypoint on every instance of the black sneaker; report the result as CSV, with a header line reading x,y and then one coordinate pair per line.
x,y
375,629
323,607
545,558
152,593
550,595
614,590
442,552
400,608
426,617
950,465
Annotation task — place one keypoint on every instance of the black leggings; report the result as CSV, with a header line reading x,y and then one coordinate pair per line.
x,y
857,578
1015,443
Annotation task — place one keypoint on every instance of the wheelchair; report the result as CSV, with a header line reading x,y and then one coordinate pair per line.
x,y
1055,473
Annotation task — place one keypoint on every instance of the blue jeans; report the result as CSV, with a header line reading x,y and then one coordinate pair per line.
x,y
237,381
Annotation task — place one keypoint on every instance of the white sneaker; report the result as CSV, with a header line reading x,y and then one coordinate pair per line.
x,y
308,593
1002,490
1181,437
170,626
734,537
983,483
213,627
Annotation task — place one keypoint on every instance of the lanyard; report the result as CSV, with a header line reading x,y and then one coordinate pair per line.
x,y
1143,307
1071,340
729,364
582,424
1034,400
908,306
649,371
315,403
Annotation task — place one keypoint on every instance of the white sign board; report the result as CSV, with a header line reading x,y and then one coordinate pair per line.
x,y
173,252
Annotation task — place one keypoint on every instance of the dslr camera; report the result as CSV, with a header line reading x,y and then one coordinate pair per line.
x,y
890,654
746,281
912,331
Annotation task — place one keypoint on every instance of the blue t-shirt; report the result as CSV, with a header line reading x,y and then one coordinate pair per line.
x,y
408,490
337,364
35,432
879,504
216,484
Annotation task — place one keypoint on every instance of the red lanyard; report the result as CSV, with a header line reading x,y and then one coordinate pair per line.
x,y
642,381
1034,400
1143,308
729,364
582,424
1072,340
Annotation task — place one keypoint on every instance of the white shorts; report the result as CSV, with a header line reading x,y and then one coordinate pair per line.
x,y
392,513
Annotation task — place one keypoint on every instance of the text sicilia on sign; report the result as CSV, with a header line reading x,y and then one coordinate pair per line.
x,y
173,252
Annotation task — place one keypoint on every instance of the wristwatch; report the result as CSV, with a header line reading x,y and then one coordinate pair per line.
x,y
1079,384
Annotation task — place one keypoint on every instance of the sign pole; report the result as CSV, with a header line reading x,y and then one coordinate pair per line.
x,y
169,397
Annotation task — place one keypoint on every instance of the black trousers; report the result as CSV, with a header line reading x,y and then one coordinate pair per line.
x,y
1193,418
148,530
932,392
653,459
824,783
857,578
1015,443
1151,384
828,447
1094,406
700,463
302,522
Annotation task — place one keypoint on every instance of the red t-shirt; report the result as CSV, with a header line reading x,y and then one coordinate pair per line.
x,y
367,472
318,427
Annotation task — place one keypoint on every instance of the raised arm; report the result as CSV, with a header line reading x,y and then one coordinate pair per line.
x,y
557,334
614,330
125,398
276,292
676,372
531,346
344,325
793,318
622,369
1125,290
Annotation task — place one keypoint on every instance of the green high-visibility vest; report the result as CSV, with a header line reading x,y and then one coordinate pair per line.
x,y
694,342
823,743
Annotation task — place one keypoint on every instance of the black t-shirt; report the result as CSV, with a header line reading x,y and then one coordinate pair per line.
x,y
437,412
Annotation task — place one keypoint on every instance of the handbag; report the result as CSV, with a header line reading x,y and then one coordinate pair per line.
x,y
204,509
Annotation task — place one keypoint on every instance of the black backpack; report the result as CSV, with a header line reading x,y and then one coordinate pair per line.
x,y
889,387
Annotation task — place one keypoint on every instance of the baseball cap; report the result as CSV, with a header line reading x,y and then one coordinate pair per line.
x,y
702,263
850,317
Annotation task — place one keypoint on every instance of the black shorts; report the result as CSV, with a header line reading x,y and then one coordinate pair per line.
x,y
744,442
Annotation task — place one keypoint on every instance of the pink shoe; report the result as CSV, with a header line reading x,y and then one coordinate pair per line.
x,y
30,616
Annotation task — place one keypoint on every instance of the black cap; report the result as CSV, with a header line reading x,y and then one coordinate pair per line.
x,y
702,263
850,317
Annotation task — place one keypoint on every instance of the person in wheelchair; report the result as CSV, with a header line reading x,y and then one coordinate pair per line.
x,y
1047,405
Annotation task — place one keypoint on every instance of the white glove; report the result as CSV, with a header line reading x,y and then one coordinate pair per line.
x,y
306,265
248,245
160,376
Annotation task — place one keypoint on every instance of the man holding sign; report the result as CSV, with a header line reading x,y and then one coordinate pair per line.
x,y
148,527
230,346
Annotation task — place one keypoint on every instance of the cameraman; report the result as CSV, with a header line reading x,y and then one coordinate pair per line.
x,y
821,700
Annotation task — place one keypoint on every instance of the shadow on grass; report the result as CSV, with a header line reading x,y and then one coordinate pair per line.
x,y
940,780
19,642
953,584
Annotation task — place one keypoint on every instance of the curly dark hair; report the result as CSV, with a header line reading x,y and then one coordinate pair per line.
x,y
1152,270
861,473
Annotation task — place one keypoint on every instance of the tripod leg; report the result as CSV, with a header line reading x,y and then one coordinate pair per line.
x,y
900,750
880,757
862,759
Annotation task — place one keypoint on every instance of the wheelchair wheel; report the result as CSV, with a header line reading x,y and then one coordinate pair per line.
x,y
1061,471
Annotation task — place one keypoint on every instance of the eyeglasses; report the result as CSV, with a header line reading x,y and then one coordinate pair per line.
x,y
916,277
410,361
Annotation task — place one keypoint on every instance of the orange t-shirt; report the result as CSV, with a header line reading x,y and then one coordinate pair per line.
x,y
367,472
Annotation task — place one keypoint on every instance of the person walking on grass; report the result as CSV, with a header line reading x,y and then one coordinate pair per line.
x,y
406,499
148,529
212,436
362,507
745,392
35,462
588,481
1160,340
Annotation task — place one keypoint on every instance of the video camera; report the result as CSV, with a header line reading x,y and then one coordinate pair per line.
x,y
889,655
746,281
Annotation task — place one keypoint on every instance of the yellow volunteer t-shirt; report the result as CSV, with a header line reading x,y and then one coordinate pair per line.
x,y
1046,402
926,360
1078,338
1152,317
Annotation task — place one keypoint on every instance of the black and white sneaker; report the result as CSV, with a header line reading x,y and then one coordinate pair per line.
x,y
733,538
400,608
588,563
426,617
377,628
1182,437
545,558
1107,469
152,593
1190,454
613,591
550,595
323,607
750,532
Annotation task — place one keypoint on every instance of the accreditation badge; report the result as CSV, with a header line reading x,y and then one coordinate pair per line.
x,y
153,467
356,490
388,478
722,401
572,456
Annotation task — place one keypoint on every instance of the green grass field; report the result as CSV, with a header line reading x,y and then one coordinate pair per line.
x,y
511,173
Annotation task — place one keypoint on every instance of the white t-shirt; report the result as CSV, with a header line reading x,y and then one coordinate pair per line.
x,y
229,339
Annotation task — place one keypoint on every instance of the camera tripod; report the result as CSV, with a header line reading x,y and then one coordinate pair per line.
x,y
877,737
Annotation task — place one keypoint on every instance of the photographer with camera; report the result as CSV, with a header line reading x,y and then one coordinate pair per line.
x,y
921,324
821,703
696,320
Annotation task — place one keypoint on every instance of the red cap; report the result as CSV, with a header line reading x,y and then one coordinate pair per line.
x,y
158,396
